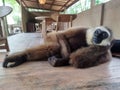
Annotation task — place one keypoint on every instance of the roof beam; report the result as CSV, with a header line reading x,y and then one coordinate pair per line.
x,y
64,5
24,3
72,3
44,9
52,4
30,0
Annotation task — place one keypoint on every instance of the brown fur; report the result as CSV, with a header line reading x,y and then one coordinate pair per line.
x,y
90,56
62,44
68,40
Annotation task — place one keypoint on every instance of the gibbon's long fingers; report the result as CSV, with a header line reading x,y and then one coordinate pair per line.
x,y
5,63
42,52
14,60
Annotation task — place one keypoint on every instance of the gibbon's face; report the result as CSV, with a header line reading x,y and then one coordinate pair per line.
x,y
99,36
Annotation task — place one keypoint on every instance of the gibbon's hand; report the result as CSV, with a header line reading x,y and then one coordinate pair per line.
x,y
14,60
56,62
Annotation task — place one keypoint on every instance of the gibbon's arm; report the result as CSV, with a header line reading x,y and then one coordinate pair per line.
x,y
90,56
63,59
38,53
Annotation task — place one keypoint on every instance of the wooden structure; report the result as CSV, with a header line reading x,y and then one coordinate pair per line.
x,y
46,21
58,19
62,18
51,5
4,44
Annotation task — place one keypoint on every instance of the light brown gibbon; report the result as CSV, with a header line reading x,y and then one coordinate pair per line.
x,y
81,47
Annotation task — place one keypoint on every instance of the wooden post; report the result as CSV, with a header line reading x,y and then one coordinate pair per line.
x,y
102,15
70,21
21,11
57,23
6,45
4,24
44,33
4,34
92,3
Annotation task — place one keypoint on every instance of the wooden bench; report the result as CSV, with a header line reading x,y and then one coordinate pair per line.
x,y
4,44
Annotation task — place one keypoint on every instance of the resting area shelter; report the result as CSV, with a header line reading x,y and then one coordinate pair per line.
x,y
40,75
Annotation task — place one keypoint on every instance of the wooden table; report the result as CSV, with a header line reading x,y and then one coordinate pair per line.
x,y
59,18
64,18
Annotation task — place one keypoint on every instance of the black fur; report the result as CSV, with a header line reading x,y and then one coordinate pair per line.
x,y
17,61
99,35
116,46
57,62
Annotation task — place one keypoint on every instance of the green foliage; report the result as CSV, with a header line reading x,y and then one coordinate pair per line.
x,y
82,5
12,2
98,1
15,15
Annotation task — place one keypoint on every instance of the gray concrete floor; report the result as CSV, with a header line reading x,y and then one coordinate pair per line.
x,y
39,75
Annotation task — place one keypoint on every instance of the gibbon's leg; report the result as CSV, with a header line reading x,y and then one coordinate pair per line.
x,y
37,53
90,56
63,58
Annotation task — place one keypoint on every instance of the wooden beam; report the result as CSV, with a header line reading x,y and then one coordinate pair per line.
x,y
52,4
30,0
64,5
24,3
71,4
44,9
38,3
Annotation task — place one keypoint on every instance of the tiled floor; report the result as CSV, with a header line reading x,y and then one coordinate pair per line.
x,y
41,76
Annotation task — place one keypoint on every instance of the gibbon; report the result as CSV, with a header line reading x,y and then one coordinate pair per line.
x,y
80,47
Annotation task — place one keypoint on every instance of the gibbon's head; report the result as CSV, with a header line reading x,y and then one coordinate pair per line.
x,y
99,36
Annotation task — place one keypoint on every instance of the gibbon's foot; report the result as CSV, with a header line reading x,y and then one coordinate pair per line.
x,y
56,62
12,61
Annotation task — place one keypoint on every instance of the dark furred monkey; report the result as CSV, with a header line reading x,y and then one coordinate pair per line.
x,y
81,47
